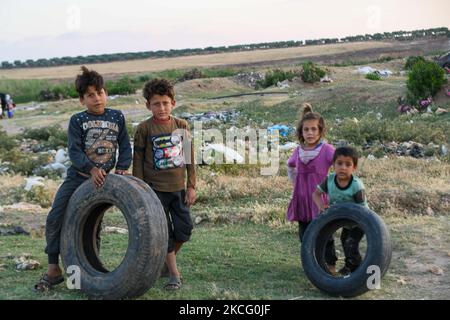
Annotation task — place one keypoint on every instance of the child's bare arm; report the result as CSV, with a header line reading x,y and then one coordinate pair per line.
x,y
317,198
292,173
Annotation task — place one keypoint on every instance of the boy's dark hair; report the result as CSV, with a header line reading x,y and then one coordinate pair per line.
x,y
162,87
308,114
88,78
347,152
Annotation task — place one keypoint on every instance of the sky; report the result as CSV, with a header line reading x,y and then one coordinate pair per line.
x,y
56,28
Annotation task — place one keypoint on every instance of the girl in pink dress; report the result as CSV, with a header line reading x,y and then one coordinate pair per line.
x,y
307,167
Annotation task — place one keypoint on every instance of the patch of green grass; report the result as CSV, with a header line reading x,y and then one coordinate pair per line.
x,y
373,76
233,261
23,90
362,62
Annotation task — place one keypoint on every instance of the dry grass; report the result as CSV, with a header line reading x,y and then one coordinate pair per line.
x,y
211,60
397,187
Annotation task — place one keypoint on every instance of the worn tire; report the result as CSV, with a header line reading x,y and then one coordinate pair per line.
x,y
147,237
378,252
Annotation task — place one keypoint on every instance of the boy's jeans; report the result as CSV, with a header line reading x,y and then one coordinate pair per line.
x,y
350,238
56,215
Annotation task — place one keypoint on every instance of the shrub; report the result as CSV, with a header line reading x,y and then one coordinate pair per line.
x,y
412,60
191,74
123,86
373,76
24,163
144,78
52,137
39,195
312,73
274,76
425,80
6,142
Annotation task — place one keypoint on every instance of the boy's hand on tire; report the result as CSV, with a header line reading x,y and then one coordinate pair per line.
x,y
98,177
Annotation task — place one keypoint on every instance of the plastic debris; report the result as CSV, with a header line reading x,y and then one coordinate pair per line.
x,y
229,153
33,181
288,146
283,130
115,230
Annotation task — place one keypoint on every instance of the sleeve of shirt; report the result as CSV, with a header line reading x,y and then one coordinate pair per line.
x,y
125,155
360,195
139,152
190,168
292,173
323,186
330,154
79,159
292,162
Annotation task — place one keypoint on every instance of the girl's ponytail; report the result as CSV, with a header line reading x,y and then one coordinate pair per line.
x,y
306,108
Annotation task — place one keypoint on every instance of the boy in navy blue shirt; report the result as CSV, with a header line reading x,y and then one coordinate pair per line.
x,y
94,138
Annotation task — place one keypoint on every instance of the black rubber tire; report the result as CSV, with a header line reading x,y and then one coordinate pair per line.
x,y
147,237
378,252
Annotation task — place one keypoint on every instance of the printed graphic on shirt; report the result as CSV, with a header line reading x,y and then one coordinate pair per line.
x,y
101,140
167,152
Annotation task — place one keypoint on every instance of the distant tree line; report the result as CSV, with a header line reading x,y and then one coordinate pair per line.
x,y
102,58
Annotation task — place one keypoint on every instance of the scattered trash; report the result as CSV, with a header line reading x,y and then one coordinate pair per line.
x,y
34,106
425,103
379,116
211,116
61,164
430,211
33,181
250,79
59,167
443,150
115,230
326,79
402,281
283,84
283,130
371,157
384,73
24,207
198,220
230,154
365,70
404,108
10,230
61,156
22,263
436,270
412,149
288,146
441,111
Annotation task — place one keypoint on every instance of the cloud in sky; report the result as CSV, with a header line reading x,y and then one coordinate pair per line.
x,y
54,28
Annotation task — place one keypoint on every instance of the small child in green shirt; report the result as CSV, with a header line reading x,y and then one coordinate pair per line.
x,y
343,186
